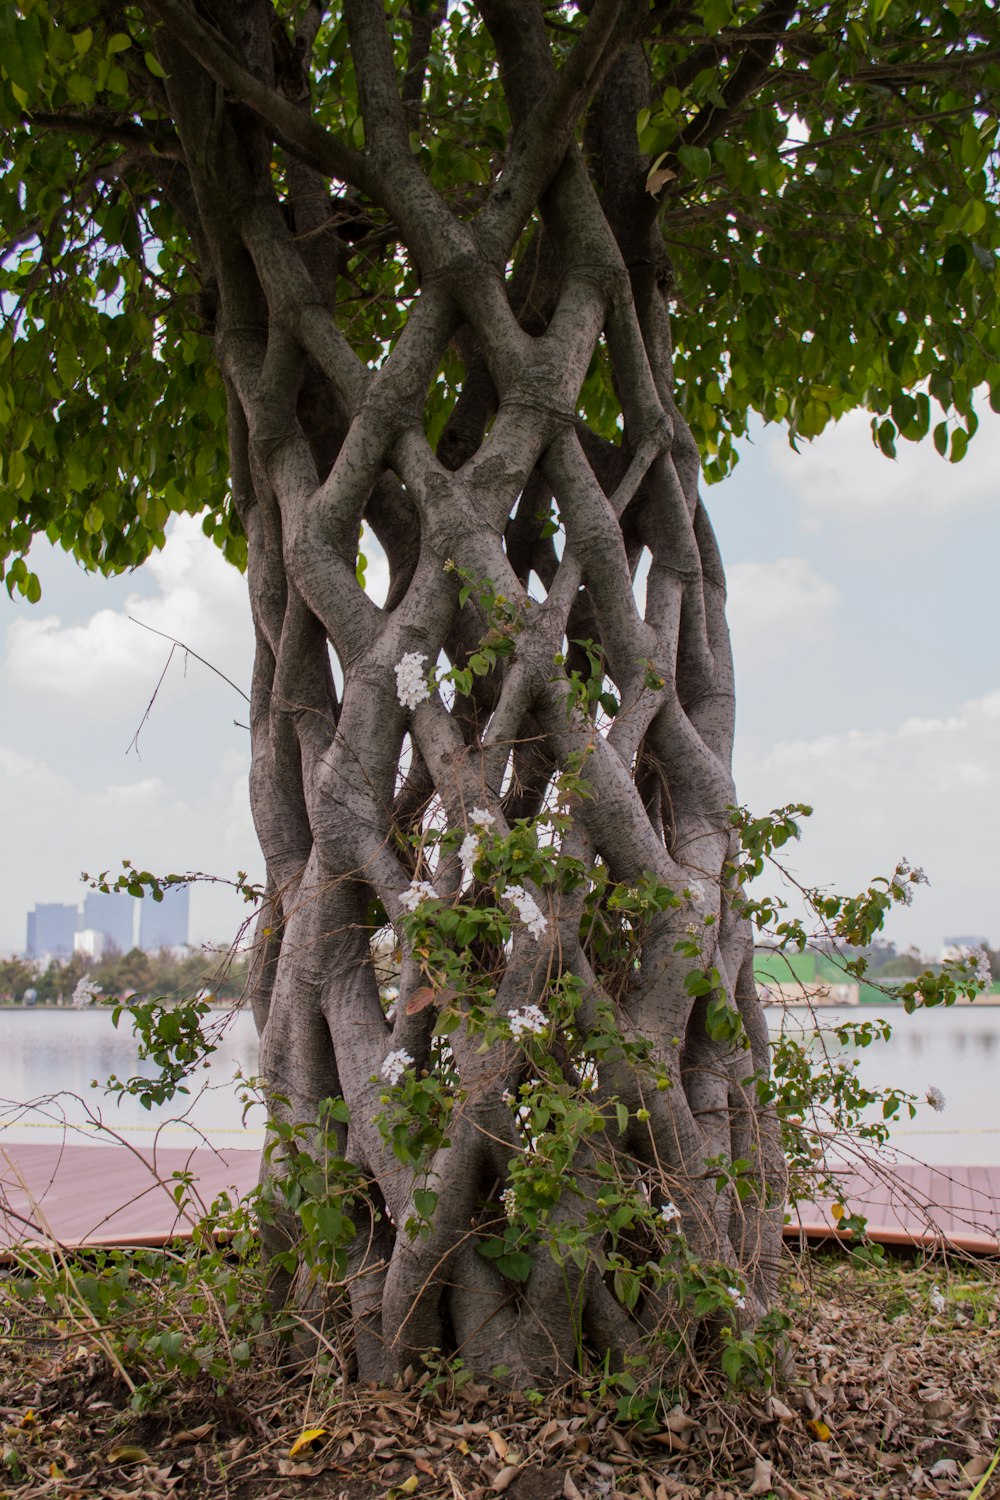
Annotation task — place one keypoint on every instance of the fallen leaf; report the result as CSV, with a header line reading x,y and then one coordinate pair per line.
x,y
191,1434
938,1409
670,1440
291,1470
408,1485
762,1477
128,1453
678,1420
424,1466
304,1439
779,1411
506,1478
820,1431
500,1444
976,1467
570,1491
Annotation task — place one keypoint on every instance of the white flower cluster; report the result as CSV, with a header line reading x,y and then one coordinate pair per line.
x,y
527,910
509,1201
467,854
935,1098
395,1065
905,878
481,820
736,1297
670,1213
528,1019
696,890
419,890
411,680
980,959
86,993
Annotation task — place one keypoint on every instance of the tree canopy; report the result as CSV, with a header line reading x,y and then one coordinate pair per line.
x,y
826,182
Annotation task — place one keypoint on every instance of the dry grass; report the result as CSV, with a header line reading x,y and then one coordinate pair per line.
x,y
889,1396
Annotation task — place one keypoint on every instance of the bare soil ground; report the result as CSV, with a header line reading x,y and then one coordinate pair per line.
x,y
892,1392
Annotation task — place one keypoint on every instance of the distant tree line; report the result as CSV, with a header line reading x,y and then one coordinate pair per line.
x,y
121,975
885,961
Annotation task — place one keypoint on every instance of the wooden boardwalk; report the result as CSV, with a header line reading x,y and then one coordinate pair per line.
x,y
112,1195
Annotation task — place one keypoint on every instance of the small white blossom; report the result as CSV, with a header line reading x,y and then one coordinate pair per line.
x,y
935,1098
670,1213
480,817
411,680
419,890
693,930
528,1019
507,1097
938,1301
527,910
509,1201
86,993
395,1065
696,890
736,1296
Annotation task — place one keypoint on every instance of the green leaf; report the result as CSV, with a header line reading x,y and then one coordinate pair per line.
x,y
491,1249
696,159
118,43
516,1266
425,1202
154,65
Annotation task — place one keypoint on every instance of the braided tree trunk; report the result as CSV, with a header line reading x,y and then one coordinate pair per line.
x,y
560,1140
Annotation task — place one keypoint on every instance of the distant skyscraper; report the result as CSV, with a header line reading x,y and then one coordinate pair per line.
x,y
164,924
51,929
113,914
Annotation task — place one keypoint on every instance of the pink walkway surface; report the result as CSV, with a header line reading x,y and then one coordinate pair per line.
x,y
110,1195
104,1195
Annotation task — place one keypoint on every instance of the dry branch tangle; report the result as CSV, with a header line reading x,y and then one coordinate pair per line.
x,y
347,783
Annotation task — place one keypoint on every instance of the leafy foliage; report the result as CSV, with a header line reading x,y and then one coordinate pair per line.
x,y
832,236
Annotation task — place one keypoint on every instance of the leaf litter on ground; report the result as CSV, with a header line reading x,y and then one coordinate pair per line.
x,y
887,1396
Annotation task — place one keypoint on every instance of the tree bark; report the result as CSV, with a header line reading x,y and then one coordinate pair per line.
x,y
560,272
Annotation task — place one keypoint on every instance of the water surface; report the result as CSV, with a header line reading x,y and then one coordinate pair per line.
x,y
53,1055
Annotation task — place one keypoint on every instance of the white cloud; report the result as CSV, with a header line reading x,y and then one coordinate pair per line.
x,y
58,828
842,472
926,788
773,603
109,662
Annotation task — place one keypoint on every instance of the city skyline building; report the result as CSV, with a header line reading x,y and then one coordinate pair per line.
x,y
111,913
164,924
51,930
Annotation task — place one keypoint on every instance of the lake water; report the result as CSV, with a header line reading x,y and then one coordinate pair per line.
x,y
49,1057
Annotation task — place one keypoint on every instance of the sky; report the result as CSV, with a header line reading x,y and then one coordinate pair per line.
x,y
864,612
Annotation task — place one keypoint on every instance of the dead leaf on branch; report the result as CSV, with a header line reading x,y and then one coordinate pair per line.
x,y
658,175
